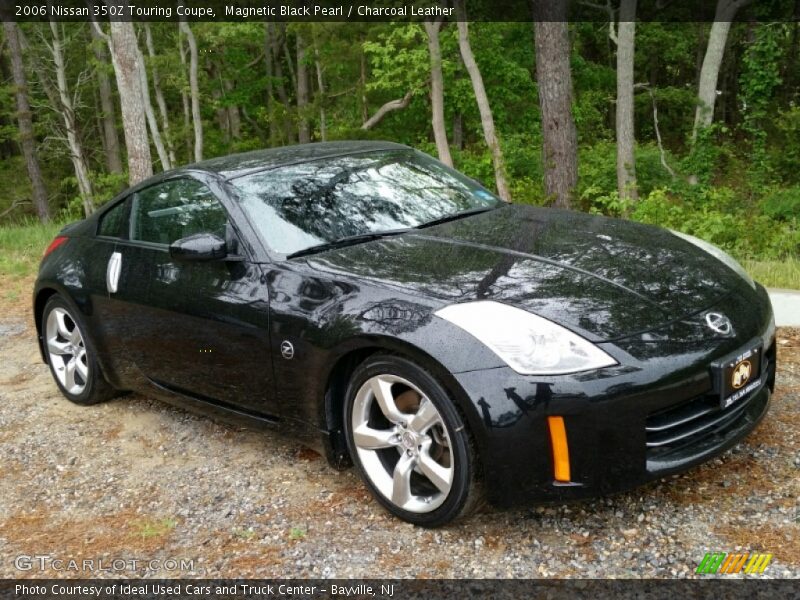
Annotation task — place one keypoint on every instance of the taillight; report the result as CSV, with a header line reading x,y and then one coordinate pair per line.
x,y
55,244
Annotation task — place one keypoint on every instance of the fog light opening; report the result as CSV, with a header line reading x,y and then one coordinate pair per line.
x,y
558,443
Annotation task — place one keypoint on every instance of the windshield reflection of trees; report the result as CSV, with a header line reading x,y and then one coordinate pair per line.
x,y
351,195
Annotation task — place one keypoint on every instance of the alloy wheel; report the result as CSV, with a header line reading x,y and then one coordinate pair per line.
x,y
402,443
67,351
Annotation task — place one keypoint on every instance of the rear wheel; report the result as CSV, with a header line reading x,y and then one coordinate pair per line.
x,y
409,442
71,355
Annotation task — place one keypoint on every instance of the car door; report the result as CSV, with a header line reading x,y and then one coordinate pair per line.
x,y
113,319
203,327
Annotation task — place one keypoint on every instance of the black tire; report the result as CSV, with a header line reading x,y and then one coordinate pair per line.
x,y
95,388
464,495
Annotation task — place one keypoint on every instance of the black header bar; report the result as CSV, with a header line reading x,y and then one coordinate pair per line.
x,y
375,10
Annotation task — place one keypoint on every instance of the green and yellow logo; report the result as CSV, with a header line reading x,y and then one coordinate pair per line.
x,y
731,564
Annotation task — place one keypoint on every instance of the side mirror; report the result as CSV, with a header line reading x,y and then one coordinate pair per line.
x,y
199,247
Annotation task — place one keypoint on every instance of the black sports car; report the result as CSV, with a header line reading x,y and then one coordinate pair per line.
x,y
389,311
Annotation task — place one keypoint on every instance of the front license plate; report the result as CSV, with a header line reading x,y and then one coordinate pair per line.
x,y
739,375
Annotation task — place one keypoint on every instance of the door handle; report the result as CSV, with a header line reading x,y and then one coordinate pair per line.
x,y
112,272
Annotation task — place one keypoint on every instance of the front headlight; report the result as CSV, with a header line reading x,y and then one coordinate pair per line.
x,y
529,344
718,254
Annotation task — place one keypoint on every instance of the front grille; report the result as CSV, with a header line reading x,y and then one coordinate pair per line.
x,y
681,432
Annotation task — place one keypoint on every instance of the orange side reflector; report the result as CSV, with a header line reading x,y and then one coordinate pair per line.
x,y
558,441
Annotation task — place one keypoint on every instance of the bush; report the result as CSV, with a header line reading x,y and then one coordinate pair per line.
x,y
597,176
782,205
708,215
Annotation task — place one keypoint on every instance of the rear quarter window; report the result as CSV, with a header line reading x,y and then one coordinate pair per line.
x,y
114,223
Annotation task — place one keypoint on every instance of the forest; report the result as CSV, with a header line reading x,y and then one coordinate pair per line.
x,y
692,126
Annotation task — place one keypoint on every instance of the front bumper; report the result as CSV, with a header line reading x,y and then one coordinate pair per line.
x,y
617,419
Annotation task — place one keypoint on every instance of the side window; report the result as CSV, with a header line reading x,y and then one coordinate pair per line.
x,y
115,222
175,209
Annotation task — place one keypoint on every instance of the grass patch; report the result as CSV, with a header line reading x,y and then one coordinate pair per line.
x,y
157,528
775,273
22,246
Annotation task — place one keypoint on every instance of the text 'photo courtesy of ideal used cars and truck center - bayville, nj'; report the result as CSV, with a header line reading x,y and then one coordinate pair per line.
x,y
399,298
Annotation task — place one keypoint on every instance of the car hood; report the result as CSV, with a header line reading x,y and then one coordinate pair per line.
x,y
603,278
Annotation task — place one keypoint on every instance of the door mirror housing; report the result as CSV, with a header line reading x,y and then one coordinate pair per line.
x,y
199,247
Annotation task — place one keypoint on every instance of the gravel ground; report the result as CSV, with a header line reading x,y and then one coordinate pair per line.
x,y
136,479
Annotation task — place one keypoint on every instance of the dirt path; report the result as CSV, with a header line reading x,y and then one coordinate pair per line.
x,y
135,479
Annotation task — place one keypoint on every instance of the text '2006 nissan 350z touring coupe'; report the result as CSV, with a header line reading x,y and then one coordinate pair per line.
x,y
389,311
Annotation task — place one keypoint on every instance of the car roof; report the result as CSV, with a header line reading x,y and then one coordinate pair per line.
x,y
236,165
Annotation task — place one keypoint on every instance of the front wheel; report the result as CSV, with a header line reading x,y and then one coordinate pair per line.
x,y
409,442
70,355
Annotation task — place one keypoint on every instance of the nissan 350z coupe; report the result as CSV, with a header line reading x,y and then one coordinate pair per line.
x,y
392,313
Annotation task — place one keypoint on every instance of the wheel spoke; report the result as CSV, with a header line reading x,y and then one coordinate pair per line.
x,y
374,439
440,476
75,337
383,394
82,368
69,374
426,416
56,347
401,482
61,324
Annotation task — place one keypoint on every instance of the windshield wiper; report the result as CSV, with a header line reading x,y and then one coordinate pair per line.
x,y
458,215
349,240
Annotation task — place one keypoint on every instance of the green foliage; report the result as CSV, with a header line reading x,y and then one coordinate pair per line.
x,y
706,153
21,246
716,215
785,149
743,169
757,83
597,176
782,204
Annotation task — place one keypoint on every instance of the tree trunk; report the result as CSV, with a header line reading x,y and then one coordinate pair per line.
x,y
626,161
487,120
160,102
437,92
194,89
709,72
67,111
554,79
362,84
458,130
323,125
290,62
125,57
8,147
303,127
150,114
187,111
280,87
108,112
791,72
273,128
221,111
25,122
234,118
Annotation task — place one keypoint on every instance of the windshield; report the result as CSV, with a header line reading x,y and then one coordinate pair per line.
x,y
299,206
